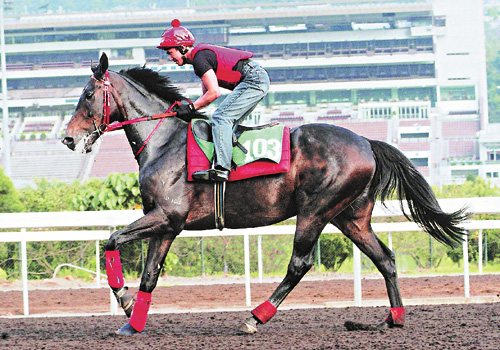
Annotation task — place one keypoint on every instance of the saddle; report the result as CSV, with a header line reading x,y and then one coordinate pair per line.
x,y
257,151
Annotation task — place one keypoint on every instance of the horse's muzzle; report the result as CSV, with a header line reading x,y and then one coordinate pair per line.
x,y
70,142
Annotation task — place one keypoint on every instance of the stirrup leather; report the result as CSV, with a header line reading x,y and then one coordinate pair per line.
x,y
219,192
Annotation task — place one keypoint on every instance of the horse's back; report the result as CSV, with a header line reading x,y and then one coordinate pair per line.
x,y
336,140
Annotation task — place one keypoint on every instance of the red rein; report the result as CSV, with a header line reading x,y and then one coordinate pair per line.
x,y
106,111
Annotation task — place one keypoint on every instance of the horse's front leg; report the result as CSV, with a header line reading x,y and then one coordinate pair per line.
x,y
153,224
157,252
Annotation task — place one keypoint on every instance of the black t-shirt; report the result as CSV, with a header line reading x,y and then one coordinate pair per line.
x,y
203,61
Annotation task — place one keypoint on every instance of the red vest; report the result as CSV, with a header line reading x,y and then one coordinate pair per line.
x,y
226,60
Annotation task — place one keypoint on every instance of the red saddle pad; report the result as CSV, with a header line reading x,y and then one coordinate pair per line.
x,y
196,160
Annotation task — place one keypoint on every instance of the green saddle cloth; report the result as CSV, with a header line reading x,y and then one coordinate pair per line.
x,y
261,142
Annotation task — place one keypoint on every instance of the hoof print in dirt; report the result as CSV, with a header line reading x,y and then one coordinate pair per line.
x,y
355,326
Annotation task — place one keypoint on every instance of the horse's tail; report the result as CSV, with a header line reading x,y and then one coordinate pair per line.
x,y
395,172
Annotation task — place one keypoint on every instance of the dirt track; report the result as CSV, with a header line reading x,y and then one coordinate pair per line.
x,y
428,327
471,326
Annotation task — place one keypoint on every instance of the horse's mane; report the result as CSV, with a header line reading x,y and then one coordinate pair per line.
x,y
159,85
155,83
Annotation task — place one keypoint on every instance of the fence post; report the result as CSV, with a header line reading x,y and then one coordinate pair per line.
x,y
113,303
480,250
357,275
259,256
465,245
246,248
486,249
318,256
202,252
97,264
24,272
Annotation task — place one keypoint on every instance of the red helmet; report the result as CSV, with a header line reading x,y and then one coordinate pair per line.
x,y
177,35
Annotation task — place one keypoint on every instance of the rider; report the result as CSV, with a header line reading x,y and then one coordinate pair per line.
x,y
217,67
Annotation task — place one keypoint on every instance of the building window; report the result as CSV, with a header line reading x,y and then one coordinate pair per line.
x,y
418,162
465,172
494,155
415,135
458,93
413,112
492,174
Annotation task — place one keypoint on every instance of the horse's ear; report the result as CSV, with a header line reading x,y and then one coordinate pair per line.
x,y
100,69
104,63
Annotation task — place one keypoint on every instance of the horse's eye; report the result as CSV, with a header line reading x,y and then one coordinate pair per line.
x,y
89,95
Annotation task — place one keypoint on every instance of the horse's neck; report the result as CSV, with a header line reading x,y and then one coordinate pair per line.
x,y
141,104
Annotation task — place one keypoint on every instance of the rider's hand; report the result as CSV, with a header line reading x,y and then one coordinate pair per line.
x,y
183,111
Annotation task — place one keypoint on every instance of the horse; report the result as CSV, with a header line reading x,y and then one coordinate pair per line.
x,y
335,177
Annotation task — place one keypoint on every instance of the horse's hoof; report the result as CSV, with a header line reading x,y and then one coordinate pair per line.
x,y
126,330
248,328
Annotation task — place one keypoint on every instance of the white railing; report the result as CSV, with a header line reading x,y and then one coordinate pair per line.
x,y
114,218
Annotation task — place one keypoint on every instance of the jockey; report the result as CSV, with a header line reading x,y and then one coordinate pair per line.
x,y
218,67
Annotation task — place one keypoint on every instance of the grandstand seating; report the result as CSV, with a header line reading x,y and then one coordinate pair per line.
x,y
333,114
375,130
48,159
414,146
36,159
460,128
461,148
416,122
39,125
52,65
114,156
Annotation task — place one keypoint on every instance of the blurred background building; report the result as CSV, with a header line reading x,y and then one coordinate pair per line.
x,y
408,72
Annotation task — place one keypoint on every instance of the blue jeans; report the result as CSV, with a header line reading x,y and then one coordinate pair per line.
x,y
237,106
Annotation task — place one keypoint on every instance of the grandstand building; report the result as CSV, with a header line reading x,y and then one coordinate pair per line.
x,y
408,72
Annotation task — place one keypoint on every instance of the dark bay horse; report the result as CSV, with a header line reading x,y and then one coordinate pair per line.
x,y
335,177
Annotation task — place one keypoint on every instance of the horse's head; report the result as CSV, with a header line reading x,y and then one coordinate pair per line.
x,y
94,109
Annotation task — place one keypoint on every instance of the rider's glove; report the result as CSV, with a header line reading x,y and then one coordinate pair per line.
x,y
183,111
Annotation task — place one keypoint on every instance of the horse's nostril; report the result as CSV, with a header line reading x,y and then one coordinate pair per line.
x,y
69,141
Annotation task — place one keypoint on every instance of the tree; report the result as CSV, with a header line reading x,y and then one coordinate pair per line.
x,y
9,198
335,249
474,186
49,196
118,191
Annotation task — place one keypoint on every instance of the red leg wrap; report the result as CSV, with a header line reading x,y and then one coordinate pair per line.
x,y
264,311
396,317
114,269
140,313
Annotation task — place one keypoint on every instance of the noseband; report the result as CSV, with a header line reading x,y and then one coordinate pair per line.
x,y
105,125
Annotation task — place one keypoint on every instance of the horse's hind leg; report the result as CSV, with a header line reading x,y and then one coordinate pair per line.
x,y
306,236
157,252
355,224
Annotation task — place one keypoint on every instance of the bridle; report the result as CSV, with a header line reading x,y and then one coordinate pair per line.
x,y
105,125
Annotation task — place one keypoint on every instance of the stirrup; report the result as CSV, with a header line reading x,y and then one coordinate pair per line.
x,y
212,175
